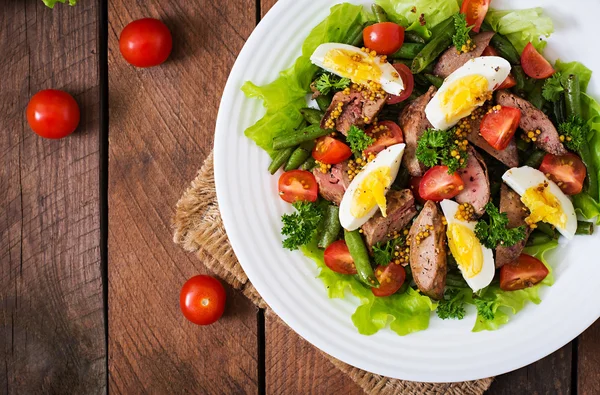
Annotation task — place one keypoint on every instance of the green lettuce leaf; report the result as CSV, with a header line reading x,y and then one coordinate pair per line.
x,y
436,11
284,97
566,68
52,3
407,312
522,26
507,303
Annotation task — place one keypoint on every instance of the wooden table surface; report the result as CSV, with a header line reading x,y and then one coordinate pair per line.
x,y
89,276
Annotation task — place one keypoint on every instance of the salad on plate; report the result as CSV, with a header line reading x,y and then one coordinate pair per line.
x,y
432,156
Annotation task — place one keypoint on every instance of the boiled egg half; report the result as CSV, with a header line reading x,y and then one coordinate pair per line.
x,y
466,89
544,199
475,261
360,67
366,193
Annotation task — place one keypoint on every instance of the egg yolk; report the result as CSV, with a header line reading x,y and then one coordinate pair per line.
x,y
371,192
465,248
460,98
543,206
359,67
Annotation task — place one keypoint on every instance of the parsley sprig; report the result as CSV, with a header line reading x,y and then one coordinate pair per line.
x,y
486,308
437,146
328,82
383,253
575,132
358,140
300,226
494,232
453,304
553,87
461,35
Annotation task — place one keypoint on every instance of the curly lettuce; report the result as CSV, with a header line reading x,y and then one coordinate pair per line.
x,y
52,3
408,12
522,26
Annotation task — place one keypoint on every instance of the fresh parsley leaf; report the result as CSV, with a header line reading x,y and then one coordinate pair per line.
x,y
495,232
300,226
358,140
553,87
576,132
383,253
437,146
327,82
461,36
453,304
486,308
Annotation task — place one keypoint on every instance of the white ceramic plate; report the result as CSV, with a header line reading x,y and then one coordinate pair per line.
x,y
447,351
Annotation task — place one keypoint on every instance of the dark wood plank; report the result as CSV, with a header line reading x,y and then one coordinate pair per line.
x,y
52,326
588,369
265,6
161,128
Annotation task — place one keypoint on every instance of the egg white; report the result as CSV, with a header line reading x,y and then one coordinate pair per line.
x,y
522,178
390,80
486,275
493,68
390,157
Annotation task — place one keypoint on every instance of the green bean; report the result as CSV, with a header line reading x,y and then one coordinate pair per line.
x,y
523,81
505,49
279,160
573,95
310,132
535,96
379,12
546,229
522,145
584,228
331,228
407,51
359,254
308,164
312,116
538,238
412,37
456,280
434,80
535,158
299,155
323,101
559,110
420,80
355,35
442,39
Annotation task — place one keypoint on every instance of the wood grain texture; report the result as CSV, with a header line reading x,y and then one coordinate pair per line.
x,y
588,369
265,6
161,129
51,326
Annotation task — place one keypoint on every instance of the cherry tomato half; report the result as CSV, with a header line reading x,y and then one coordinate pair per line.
x,y
337,257
146,42
438,185
297,185
413,184
567,171
388,133
534,64
524,273
391,278
53,114
202,300
385,38
331,151
510,81
409,83
499,126
475,11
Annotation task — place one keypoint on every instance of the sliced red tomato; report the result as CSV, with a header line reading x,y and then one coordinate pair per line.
x,y
202,299
524,273
337,257
389,133
510,81
499,126
331,151
534,64
385,38
567,171
475,11
298,185
413,184
409,83
391,278
438,185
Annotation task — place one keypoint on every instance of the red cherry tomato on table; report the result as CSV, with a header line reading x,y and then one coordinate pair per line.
x,y
409,83
438,185
413,184
146,42
510,81
499,126
202,300
331,151
391,278
475,11
385,38
567,171
534,64
524,273
298,185
337,257
53,114
388,133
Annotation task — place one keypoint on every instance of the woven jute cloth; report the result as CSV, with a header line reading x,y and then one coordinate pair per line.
x,y
198,228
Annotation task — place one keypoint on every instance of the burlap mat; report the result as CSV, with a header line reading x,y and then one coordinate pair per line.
x,y
199,229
